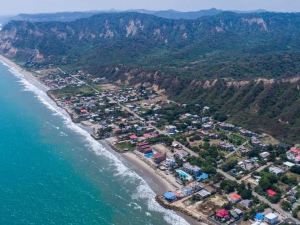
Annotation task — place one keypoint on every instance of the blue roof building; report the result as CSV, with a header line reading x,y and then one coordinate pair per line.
x,y
259,216
170,196
203,176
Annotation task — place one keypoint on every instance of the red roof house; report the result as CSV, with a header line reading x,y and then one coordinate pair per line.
x,y
133,137
158,158
234,197
271,193
222,213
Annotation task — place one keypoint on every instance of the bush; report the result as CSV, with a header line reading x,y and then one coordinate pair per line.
x,y
295,169
286,206
228,186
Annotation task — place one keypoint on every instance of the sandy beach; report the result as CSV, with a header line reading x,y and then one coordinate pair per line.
x,y
155,181
27,75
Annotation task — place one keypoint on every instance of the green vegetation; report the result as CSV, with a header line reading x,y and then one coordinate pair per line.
x,y
72,91
295,169
125,146
161,139
285,205
228,186
229,164
180,56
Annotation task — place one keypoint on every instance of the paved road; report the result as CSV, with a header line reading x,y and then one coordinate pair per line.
x,y
237,149
258,170
134,114
275,207
229,177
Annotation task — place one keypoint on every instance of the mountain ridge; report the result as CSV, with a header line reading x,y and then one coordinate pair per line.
x,y
193,60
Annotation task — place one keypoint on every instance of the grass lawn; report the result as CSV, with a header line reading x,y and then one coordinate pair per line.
x,y
236,139
125,146
71,91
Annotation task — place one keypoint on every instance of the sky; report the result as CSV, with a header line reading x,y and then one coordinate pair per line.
x,y
11,7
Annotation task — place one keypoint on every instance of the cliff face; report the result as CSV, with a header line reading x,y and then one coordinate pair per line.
x,y
223,45
244,65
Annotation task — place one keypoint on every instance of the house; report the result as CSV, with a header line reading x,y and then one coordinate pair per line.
x,y
170,162
143,148
227,146
208,126
170,196
271,193
190,189
276,170
222,215
227,126
170,129
236,213
159,157
246,203
204,193
181,154
195,171
246,133
259,217
289,164
271,218
259,223
146,150
294,154
202,177
133,138
183,175
264,155
234,198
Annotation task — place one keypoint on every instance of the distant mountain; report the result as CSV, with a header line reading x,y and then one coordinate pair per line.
x,y
4,19
240,63
60,17
223,45
172,14
72,16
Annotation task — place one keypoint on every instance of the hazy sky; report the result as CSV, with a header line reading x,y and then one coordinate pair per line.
x,y
33,6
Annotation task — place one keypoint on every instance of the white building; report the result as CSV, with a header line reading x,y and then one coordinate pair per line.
x,y
271,218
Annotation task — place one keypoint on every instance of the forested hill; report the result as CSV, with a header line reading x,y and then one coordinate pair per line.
x,y
224,45
218,60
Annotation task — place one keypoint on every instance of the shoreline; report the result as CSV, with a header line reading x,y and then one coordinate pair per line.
x,y
155,181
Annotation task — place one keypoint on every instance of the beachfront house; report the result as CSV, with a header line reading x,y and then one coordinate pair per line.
x,y
170,196
195,171
159,157
183,176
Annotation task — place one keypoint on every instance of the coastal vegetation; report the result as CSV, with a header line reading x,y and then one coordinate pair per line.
x,y
216,60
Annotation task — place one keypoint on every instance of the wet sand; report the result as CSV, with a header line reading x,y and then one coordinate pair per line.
x,y
155,181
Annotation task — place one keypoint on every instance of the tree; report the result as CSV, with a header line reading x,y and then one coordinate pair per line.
x,y
229,164
289,180
228,186
264,183
220,117
295,169
286,206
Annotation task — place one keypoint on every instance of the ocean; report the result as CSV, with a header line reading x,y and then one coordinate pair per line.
x,y
53,173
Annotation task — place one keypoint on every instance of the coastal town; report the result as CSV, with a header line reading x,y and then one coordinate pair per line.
x,y
218,172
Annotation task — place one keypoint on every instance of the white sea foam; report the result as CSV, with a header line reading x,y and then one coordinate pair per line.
x,y
143,190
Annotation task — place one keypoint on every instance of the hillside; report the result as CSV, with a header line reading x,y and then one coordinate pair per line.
x,y
195,60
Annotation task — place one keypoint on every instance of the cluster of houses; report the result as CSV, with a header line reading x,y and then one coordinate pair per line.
x,y
109,113
58,80
224,216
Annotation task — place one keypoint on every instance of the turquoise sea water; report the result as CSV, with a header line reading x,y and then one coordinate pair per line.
x,y
52,173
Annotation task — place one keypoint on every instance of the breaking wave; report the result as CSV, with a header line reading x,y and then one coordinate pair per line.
x,y
143,190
